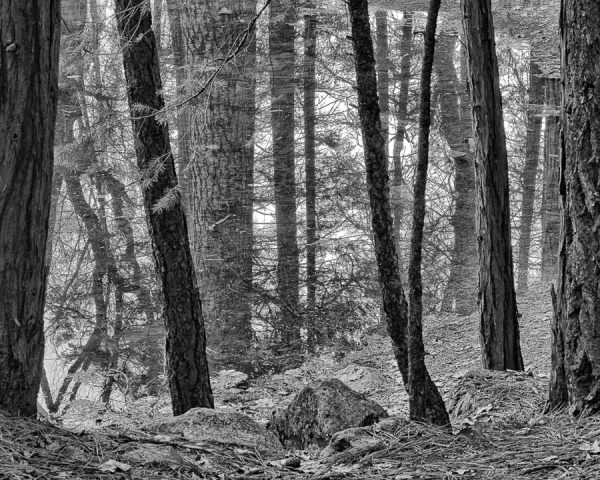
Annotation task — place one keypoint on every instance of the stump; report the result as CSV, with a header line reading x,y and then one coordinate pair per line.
x,y
321,409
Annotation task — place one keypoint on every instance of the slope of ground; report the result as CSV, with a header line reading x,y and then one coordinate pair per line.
x,y
499,428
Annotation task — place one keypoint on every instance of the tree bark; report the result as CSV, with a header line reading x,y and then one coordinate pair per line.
x,y
575,374
281,45
30,34
310,85
499,327
222,176
187,368
532,156
550,204
455,124
425,401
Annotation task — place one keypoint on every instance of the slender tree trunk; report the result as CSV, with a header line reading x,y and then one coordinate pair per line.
x,y
383,73
499,327
550,208
30,34
221,175
281,45
425,400
187,367
310,52
532,156
575,374
455,124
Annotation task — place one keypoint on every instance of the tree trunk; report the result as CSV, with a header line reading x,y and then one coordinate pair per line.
x,y
281,45
425,400
310,85
187,368
383,74
532,156
394,301
221,175
550,208
30,33
575,375
499,327
455,124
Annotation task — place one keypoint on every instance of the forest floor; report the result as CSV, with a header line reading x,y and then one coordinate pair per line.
x,y
499,428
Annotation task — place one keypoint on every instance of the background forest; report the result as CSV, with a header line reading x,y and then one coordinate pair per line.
x,y
269,156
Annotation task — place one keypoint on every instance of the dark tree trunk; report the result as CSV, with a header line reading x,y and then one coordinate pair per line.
x,y
394,301
222,175
425,400
460,294
499,327
281,45
30,34
187,368
532,156
550,208
310,85
575,375
383,74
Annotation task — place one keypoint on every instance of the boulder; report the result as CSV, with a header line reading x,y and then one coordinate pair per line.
x,y
222,428
321,409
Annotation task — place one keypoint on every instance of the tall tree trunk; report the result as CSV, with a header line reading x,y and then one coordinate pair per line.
x,y
394,301
187,368
310,85
575,374
221,175
30,34
532,156
455,124
383,73
425,401
499,327
281,45
400,134
550,208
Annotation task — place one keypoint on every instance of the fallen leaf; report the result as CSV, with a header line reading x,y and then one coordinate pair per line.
x,y
112,466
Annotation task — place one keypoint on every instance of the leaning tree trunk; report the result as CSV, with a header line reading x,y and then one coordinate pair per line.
x,y
575,375
499,327
187,368
455,125
425,401
550,208
222,163
281,45
532,157
394,301
30,34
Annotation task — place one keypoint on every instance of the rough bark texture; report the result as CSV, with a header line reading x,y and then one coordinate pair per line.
x,y
394,301
321,409
281,46
460,294
30,34
550,204
383,73
499,328
425,400
532,157
221,177
310,86
187,368
575,375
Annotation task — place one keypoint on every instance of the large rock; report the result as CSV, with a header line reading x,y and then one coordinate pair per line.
x,y
321,409
207,426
